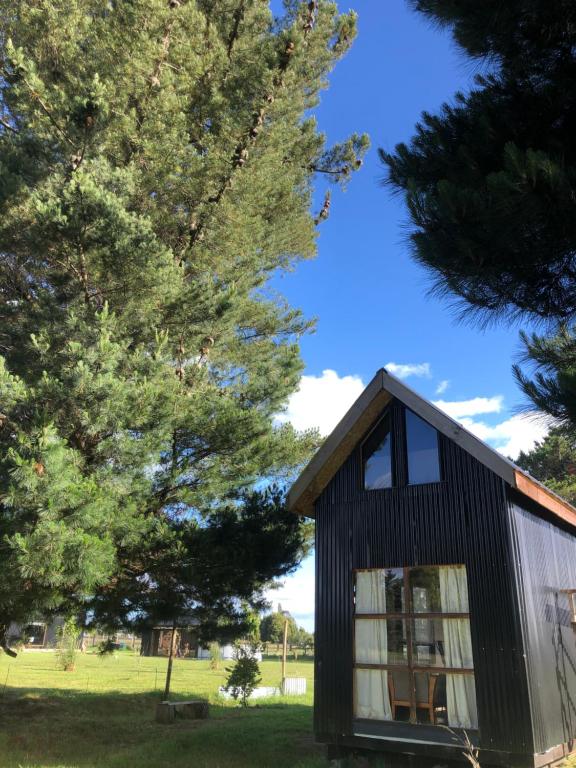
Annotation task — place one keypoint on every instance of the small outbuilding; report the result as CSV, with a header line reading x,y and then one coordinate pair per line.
x,y
156,641
445,579
37,635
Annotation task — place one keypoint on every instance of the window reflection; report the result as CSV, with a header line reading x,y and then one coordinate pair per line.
x,y
412,665
377,456
422,444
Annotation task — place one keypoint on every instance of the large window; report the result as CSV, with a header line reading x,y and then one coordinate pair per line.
x,y
422,448
377,456
34,634
412,647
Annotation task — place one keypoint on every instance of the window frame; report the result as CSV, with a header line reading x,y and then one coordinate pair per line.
x,y
408,616
396,412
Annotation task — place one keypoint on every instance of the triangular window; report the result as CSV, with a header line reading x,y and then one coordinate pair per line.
x,y
377,456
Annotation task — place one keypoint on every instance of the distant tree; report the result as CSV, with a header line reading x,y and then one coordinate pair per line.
x,y
158,165
304,639
490,180
272,628
553,462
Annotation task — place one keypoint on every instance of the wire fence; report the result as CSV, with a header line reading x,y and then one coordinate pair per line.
x,y
127,673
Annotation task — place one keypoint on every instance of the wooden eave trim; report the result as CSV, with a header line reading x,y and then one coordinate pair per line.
x,y
545,498
337,447
360,417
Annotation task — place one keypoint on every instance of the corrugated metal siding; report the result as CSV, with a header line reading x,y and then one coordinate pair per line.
x,y
460,520
546,563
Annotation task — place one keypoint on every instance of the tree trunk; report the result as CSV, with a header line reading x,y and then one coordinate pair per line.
x,y
4,626
170,660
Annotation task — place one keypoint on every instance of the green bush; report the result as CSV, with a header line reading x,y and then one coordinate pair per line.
x,y
215,655
244,677
67,645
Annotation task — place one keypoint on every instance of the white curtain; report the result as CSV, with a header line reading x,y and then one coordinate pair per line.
x,y
371,591
460,689
372,700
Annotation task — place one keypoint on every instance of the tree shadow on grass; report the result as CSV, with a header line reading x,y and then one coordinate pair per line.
x,y
49,728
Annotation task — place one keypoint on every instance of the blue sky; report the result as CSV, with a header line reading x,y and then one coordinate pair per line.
x,y
370,298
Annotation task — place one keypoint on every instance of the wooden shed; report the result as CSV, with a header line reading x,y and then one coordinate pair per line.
x,y
444,579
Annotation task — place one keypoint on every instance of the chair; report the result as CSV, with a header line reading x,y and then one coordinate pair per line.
x,y
399,691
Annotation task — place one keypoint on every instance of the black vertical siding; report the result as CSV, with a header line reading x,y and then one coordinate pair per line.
x,y
462,519
545,564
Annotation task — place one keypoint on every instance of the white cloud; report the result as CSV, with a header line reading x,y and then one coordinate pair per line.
x,y
404,370
296,594
477,405
321,401
509,437
442,386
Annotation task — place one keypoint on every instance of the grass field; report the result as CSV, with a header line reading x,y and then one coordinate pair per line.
x,y
102,714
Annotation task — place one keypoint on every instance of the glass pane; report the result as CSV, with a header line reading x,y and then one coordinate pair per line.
x,y
441,589
399,685
453,589
422,442
448,700
425,589
395,590
425,684
380,641
380,591
461,709
371,694
377,457
442,643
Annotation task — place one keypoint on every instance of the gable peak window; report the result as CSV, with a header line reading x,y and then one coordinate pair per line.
x,y
422,451
377,456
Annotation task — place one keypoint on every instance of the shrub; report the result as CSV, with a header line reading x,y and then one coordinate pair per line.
x,y
244,676
67,646
215,655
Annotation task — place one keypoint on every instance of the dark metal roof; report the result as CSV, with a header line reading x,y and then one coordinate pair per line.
x,y
351,428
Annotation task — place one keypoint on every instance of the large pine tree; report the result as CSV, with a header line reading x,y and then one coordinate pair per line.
x,y
157,160
490,180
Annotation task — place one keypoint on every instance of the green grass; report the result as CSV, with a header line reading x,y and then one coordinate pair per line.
x,y
102,714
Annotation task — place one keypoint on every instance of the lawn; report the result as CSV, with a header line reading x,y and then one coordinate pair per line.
x,y
102,714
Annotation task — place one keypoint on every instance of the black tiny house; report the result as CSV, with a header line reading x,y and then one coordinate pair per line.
x,y
443,590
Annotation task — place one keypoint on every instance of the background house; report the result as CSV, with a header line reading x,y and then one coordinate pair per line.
x,y
441,578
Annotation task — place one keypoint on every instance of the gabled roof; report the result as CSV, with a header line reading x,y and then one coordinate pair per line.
x,y
349,431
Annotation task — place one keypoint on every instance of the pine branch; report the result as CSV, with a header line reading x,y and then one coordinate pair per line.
x,y
234,34
8,127
48,112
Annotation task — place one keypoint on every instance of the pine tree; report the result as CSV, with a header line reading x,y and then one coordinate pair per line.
x,y
490,181
553,462
209,572
552,387
157,167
